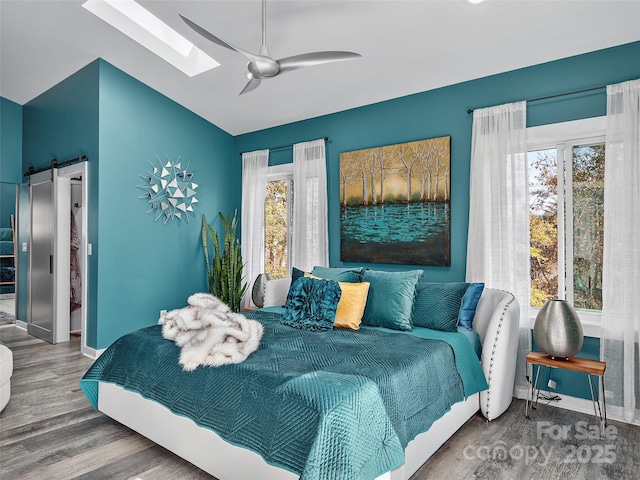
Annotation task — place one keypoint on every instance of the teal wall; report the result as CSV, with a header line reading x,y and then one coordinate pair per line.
x,y
7,203
442,112
10,158
62,123
145,266
10,141
10,167
10,175
138,267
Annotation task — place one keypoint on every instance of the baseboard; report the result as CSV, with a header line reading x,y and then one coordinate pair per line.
x,y
92,353
576,404
581,405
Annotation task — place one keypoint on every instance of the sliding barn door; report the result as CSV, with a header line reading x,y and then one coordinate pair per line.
x,y
40,321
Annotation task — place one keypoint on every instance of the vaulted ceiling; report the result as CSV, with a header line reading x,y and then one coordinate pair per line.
x,y
406,47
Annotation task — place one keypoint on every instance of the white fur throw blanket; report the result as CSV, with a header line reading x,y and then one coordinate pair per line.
x,y
209,333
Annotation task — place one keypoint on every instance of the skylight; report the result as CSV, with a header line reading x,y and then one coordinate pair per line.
x,y
152,33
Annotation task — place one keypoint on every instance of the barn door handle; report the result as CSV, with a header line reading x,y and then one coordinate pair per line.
x,y
51,264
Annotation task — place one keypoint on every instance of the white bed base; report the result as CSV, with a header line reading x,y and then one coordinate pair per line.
x,y
205,449
497,323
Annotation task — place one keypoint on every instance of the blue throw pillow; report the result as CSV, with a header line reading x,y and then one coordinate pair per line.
x,y
349,275
469,304
390,300
311,304
437,305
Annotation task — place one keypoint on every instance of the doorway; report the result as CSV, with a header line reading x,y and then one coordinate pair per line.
x,y
8,255
57,298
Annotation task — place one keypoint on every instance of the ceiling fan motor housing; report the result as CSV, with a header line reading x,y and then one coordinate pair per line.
x,y
263,68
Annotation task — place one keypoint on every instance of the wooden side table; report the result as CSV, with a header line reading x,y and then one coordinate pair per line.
x,y
584,365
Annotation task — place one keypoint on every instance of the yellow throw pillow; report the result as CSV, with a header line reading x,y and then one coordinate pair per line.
x,y
351,305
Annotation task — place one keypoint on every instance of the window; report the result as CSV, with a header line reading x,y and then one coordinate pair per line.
x,y
278,202
566,199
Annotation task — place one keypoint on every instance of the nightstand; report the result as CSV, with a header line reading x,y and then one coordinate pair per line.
x,y
575,364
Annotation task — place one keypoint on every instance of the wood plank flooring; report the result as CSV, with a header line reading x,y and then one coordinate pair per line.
x,y
50,431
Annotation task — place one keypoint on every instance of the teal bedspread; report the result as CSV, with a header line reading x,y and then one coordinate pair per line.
x,y
470,370
340,404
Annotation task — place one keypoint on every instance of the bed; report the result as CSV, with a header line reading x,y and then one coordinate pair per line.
x,y
340,405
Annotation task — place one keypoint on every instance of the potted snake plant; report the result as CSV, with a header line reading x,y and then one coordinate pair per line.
x,y
224,272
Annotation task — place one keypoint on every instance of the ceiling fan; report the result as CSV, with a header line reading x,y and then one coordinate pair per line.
x,y
262,65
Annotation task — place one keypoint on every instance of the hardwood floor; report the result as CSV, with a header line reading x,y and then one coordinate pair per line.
x,y
50,431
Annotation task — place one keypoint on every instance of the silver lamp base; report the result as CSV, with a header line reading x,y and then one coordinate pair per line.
x,y
257,293
558,331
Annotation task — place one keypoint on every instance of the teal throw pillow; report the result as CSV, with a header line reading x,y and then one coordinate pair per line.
x,y
437,305
349,275
469,305
296,273
390,300
311,304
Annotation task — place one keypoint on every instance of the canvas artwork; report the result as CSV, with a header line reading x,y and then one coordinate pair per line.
x,y
394,203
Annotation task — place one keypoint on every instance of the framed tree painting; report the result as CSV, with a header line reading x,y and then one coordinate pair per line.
x,y
395,204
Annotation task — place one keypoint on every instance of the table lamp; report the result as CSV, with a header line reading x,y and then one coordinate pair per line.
x,y
558,331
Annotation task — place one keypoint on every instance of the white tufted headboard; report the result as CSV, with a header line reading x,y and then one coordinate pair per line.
x,y
497,322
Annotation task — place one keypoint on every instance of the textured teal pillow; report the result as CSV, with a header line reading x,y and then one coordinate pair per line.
x,y
390,299
311,304
437,305
349,275
469,304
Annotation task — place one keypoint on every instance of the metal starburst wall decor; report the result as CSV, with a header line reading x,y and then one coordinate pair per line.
x,y
170,191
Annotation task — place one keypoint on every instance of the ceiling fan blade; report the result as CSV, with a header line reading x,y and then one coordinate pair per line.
x,y
219,41
252,85
316,58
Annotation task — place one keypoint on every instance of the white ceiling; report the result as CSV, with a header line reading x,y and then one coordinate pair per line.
x,y
407,47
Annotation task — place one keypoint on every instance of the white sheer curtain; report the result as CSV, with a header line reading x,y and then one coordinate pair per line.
x,y
310,239
620,330
254,187
498,242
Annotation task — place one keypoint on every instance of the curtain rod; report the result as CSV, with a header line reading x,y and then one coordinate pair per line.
x,y
558,95
282,147
55,164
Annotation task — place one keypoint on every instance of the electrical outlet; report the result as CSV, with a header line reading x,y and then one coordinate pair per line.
x,y
552,384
